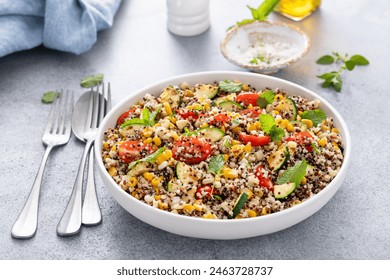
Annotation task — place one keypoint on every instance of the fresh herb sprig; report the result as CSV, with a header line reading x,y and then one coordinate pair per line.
x,y
333,78
261,13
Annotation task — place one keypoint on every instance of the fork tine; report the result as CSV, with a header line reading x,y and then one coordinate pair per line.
x,y
95,112
63,111
68,123
52,114
102,105
108,107
90,110
58,112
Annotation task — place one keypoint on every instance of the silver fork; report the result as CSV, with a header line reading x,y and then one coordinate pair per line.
x,y
71,220
57,132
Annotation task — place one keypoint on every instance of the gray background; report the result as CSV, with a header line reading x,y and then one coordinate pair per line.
x,y
139,50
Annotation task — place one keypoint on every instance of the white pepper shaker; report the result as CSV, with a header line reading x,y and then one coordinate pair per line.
x,y
188,17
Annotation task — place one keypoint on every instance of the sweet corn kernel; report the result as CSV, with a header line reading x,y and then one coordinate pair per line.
x,y
258,125
325,128
248,148
335,146
157,141
162,206
226,157
148,141
207,106
113,148
155,182
248,192
173,119
235,142
133,182
209,215
147,132
335,130
290,127
299,118
323,142
229,173
250,106
239,216
237,149
167,108
275,112
174,135
245,87
265,211
251,213
278,97
250,127
188,208
148,176
308,122
236,129
284,123
157,197
105,145
223,129
168,154
204,125
296,202
112,171
300,113
304,181
198,207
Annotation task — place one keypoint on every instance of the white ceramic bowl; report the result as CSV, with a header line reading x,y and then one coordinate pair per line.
x,y
222,229
286,43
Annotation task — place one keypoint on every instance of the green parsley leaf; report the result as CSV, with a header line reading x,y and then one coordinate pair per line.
x,y
276,133
359,60
265,98
267,122
91,81
216,164
48,97
230,86
293,174
135,121
316,116
326,59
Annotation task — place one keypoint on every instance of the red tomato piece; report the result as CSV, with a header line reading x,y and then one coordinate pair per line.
x,y
252,112
255,140
191,150
263,180
204,191
247,98
300,137
122,117
185,114
132,150
220,118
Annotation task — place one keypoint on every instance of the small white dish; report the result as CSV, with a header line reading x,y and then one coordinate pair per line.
x,y
222,229
264,47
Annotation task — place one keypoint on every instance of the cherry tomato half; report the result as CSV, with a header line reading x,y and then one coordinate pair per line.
x,y
122,117
220,118
133,150
255,140
185,114
263,180
191,150
247,98
204,191
300,137
252,112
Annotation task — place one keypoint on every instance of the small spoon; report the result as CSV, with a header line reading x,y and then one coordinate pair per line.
x,y
91,213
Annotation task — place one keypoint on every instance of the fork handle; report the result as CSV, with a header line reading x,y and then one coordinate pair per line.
x,y
25,225
70,222
91,214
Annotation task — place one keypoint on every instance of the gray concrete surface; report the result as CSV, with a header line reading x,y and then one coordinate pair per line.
x,y
139,50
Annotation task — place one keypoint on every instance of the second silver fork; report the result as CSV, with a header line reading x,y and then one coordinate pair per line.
x,y
71,220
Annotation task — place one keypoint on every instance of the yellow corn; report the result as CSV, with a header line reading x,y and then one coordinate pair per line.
x,y
157,141
251,213
188,208
248,192
250,106
248,148
325,128
258,125
229,173
167,108
133,182
308,122
207,106
284,123
157,197
304,181
236,129
237,149
275,112
235,142
135,194
278,97
105,146
300,113
174,135
162,205
296,202
172,119
168,154
148,176
112,171
148,141
209,215
113,148
259,193
155,182
290,127
204,125
251,126
223,129
323,142
335,130
265,211
245,87
198,207
226,157
335,146
239,216
188,93
147,132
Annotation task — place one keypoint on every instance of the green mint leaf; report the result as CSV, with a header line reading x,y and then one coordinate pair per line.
x,y
350,65
315,148
293,174
276,133
91,81
135,121
265,8
48,97
152,157
316,116
217,197
227,143
326,59
145,114
267,122
244,21
337,83
265,98
254,61
328,76
152,117
216,164
230,86
359,60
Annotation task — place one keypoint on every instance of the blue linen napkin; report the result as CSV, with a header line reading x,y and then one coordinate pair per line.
x,y
65,25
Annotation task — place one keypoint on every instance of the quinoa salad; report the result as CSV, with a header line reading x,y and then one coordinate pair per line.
x,y
223,150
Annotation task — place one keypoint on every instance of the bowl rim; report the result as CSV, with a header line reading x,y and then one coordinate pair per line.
x,y
231,32
144,90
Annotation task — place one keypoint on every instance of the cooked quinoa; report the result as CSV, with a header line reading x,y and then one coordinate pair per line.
x,y
221,150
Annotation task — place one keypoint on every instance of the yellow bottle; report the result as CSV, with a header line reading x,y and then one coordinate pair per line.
x,y
297,9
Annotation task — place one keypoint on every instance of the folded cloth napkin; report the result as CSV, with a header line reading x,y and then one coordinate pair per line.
x,y
65,25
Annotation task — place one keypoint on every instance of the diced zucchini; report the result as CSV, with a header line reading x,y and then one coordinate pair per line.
x,y
206,91
279,158
139,168
172,96
282,191
287,106
185,173
230,105
302,126
239,204
131,130
211,133
219,100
